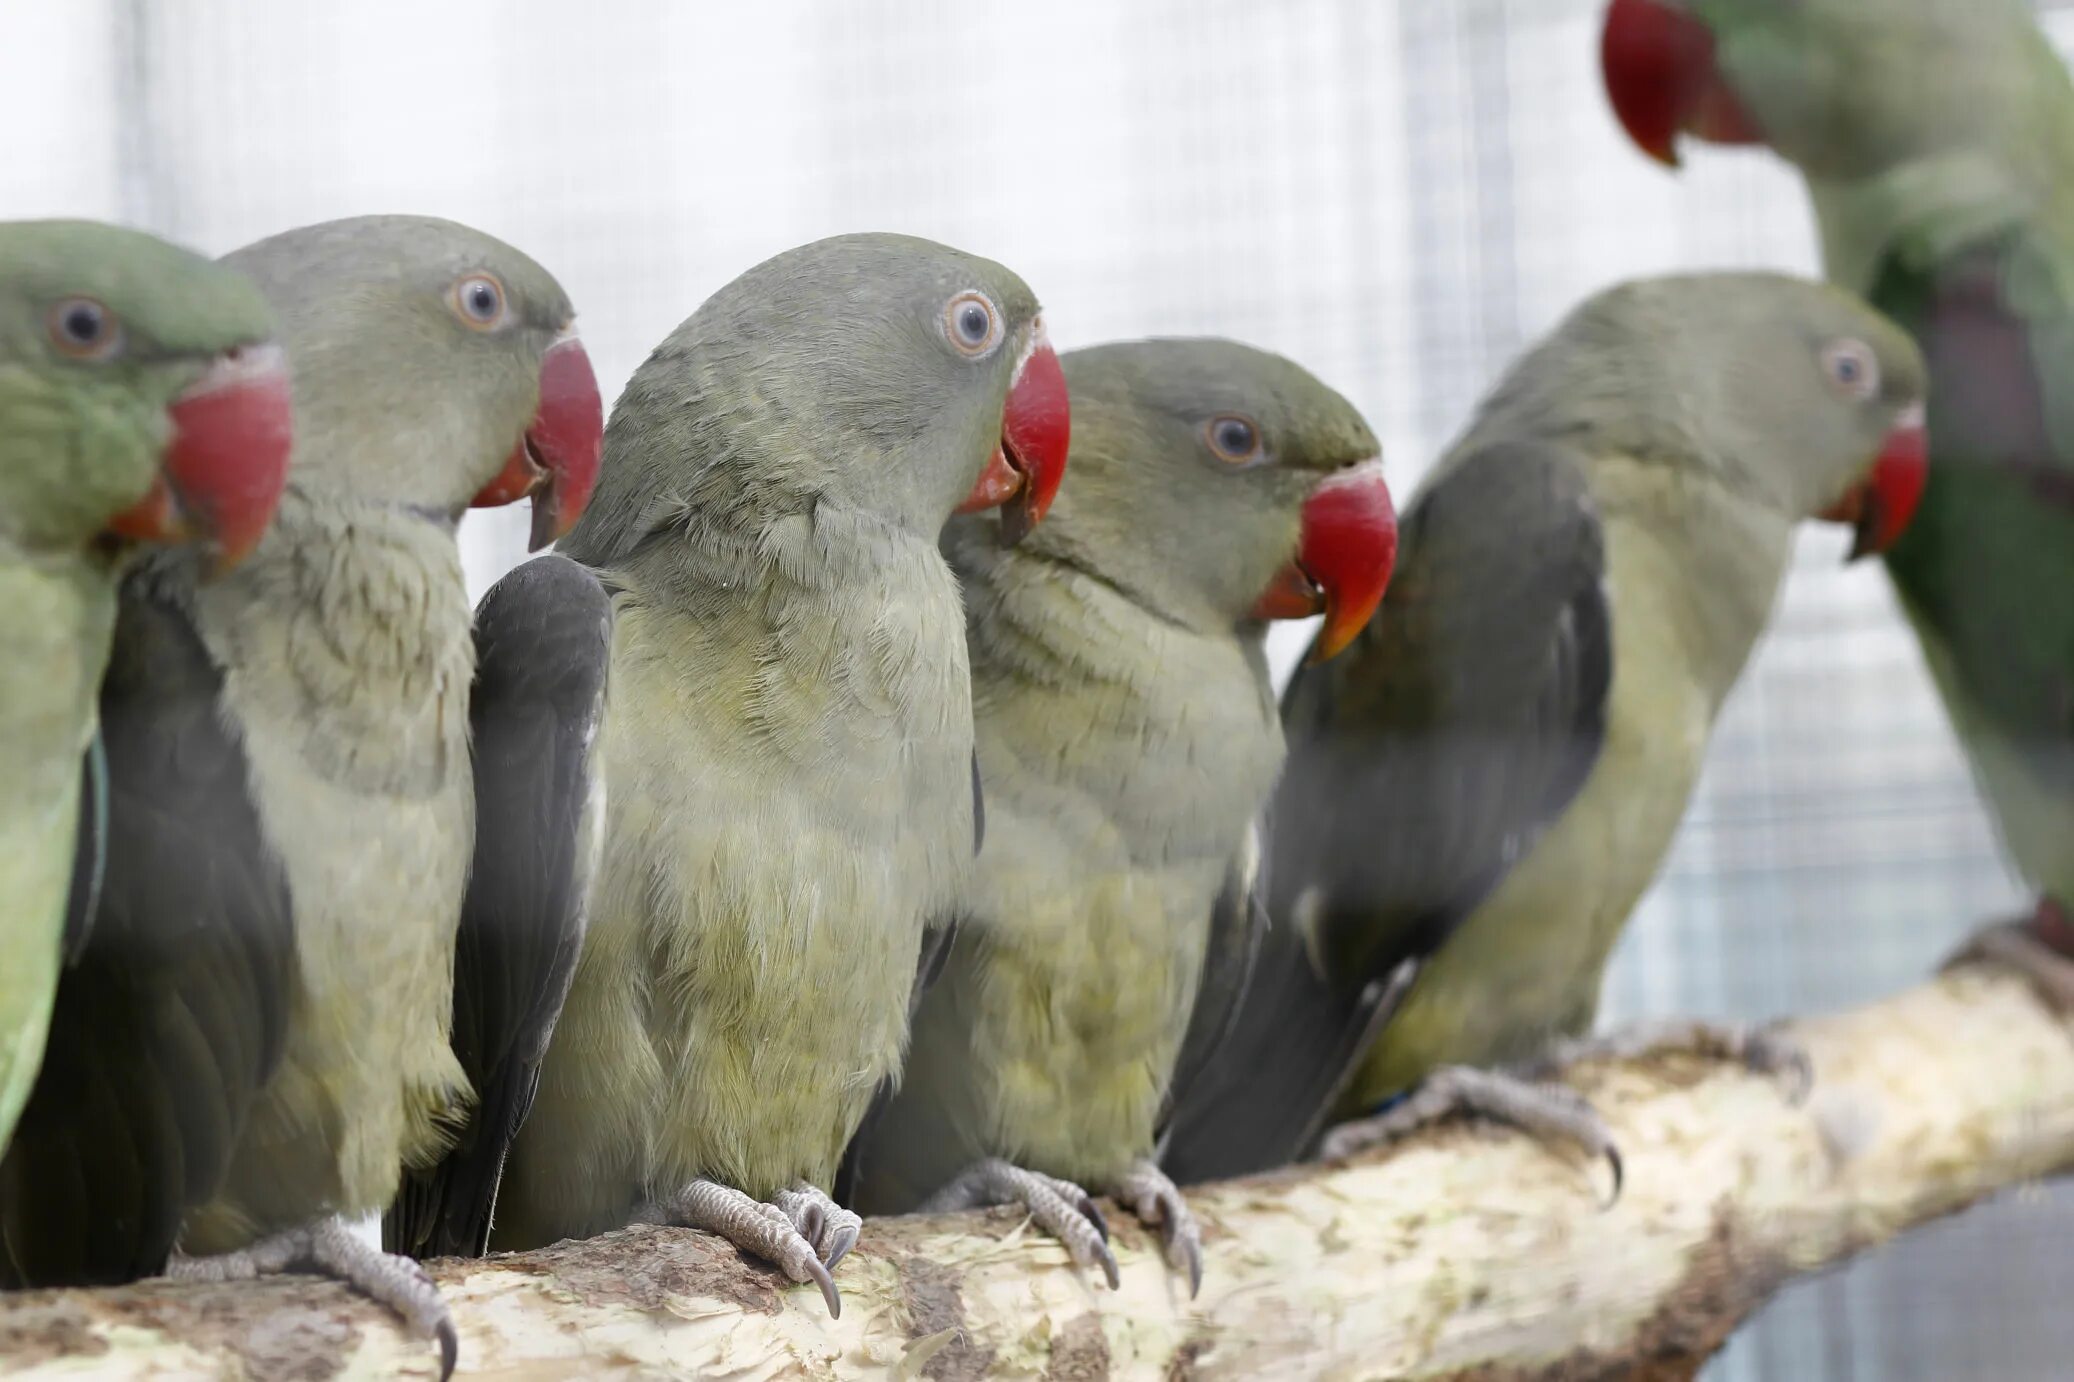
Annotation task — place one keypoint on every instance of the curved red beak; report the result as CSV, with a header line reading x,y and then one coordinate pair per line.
x,y
556,460
1658,63
227,461
1343,559
1879,507
1023,474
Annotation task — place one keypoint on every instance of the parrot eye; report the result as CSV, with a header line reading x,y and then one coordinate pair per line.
x,y
1235,439
478,300
1852,368
971,323
84,329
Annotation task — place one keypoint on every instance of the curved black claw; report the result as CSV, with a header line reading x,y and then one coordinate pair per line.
x,y
759,1229
328,1248
1060,1207
1158,1202
449,1349
1619,1170
821,1221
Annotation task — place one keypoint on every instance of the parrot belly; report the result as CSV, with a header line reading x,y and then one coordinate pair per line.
x,y
354,722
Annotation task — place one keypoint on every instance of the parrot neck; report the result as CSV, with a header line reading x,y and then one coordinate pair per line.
x,y
1176,726
349,631
822,549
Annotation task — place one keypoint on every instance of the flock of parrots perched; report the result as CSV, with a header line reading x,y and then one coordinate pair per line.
x,y
868,809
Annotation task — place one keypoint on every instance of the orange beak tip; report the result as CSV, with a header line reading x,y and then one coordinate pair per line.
x,y
556,460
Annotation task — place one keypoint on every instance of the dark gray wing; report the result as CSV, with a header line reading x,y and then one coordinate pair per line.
x,y
1423,762
543,644
172,1010
1238,922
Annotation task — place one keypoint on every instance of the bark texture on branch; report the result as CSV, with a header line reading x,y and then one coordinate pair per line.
x,y
1468,1252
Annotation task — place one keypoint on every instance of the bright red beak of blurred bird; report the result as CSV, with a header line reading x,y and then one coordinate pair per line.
x,y
227,460
1343,560
1658,63
1879,507
1023,475
556,460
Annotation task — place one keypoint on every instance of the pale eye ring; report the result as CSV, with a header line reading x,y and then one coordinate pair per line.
x,y
1853,369
83,329
971,323
1234,437
478,300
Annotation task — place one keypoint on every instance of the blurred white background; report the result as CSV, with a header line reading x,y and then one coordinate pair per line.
x,y
1398,193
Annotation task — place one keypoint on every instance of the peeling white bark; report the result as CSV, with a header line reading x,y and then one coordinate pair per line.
x,y
1468,1252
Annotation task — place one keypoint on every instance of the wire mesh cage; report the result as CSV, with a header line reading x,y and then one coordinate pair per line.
x,y
1399,195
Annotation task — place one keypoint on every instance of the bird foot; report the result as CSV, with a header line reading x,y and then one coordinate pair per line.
x,y
1763,1050
328,1248
768,1231
1546,1112
821,1221
1059,1207
1158,1203
2040,947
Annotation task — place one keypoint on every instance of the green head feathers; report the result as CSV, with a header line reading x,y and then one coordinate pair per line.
x,y
1783,389
1191,463
834,374
101,328
416,346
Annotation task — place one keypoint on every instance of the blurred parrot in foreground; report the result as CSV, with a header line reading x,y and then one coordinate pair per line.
x,y
254,1037
793,797
1480,789
1937,141
1127,739
139,402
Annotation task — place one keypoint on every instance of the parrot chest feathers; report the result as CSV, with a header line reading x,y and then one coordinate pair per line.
x,y
1124,758
349,690
790,805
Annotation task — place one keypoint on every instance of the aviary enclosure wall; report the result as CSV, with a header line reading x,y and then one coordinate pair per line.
x,y
1398,194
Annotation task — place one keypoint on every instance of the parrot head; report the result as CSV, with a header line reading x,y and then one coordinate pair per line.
x,y
436,366
1790,394
1841,88
870,374
141,384
1219,485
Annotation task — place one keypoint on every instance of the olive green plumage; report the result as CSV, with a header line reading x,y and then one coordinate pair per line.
x,y
788,744
1937,140
82,428
1486,781
1127,738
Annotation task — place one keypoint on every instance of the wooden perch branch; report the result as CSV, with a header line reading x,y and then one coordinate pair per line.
x,y
1470,1252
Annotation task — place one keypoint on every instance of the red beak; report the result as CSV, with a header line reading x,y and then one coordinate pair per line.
x,y
556,460
1343,560
1879,507
227,462
1658,62
1024,472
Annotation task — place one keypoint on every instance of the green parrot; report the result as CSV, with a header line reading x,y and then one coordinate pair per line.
x,y
1937,141
1480,789
253,1039
788,747
140,401
1127,738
